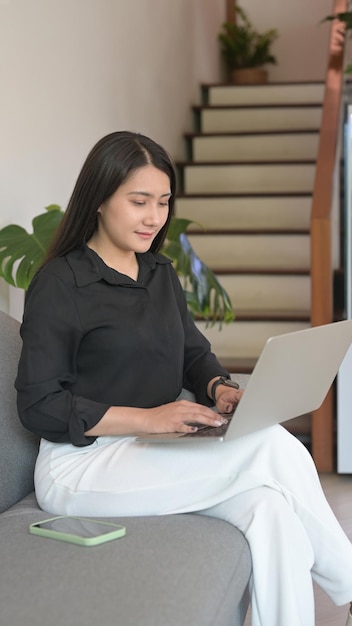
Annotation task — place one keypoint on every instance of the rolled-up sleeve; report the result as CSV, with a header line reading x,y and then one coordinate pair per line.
x,y
51,333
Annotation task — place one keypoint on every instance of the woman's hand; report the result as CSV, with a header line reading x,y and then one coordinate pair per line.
x,y
227,398
180,417
176,417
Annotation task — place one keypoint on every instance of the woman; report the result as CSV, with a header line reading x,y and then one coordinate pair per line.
x,y
108,344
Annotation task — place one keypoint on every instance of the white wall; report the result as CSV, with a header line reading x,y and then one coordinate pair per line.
x,y
74,70
302,46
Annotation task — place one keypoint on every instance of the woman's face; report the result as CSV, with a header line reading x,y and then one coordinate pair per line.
x,y
132,217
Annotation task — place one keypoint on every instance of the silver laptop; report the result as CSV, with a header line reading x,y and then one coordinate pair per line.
x,y
292,377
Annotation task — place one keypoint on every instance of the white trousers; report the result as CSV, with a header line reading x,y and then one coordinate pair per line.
x,y
265,484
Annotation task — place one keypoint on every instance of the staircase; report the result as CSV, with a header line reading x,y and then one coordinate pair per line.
x,y
248,182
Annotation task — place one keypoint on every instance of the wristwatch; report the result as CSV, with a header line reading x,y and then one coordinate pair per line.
x,y
222,381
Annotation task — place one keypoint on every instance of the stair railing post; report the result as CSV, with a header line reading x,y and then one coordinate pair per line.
x,y
321,247
230,11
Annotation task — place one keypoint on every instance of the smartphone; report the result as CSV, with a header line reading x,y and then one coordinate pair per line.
x,y
80,530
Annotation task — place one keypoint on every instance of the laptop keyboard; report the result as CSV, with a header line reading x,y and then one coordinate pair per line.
x,y
211,431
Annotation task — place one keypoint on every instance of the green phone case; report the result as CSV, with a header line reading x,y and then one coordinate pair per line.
x,y
73,536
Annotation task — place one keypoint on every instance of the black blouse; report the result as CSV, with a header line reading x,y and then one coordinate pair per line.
x,y
95,338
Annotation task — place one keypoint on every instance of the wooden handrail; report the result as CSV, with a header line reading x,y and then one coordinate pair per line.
x,y
230,11
321,254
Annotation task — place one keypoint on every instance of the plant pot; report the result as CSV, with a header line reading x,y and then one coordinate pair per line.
x,y
249,76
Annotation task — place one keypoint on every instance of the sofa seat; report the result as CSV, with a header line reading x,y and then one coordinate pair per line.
x,y
167,571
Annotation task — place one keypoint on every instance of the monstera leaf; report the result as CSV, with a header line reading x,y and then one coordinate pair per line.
x,y
21,254
17,245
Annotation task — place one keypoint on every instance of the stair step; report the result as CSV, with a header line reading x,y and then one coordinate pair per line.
x,y
248,178
253,251
261,147
244,340
262,294
249,186
256,119
291,93
245,212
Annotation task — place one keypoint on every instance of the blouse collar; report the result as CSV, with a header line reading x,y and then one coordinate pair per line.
x,y
88,267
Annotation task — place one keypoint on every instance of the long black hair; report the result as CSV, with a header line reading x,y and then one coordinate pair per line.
x,y
108,165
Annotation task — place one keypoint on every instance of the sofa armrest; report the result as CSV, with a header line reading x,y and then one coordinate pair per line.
x,y
18,446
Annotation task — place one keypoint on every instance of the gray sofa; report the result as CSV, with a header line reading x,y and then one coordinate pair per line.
x,y
177,570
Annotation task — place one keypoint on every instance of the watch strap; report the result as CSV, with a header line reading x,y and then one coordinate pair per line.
x,y
222,381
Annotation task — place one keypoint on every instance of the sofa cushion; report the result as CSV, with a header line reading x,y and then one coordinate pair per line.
x,y
167,571
18,446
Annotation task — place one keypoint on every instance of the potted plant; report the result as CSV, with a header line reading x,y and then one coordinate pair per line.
x,y
246,51
22,253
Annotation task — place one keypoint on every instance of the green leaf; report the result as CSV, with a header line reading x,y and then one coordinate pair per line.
x,y
344,17
16,244
205,295
178,225
53,207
